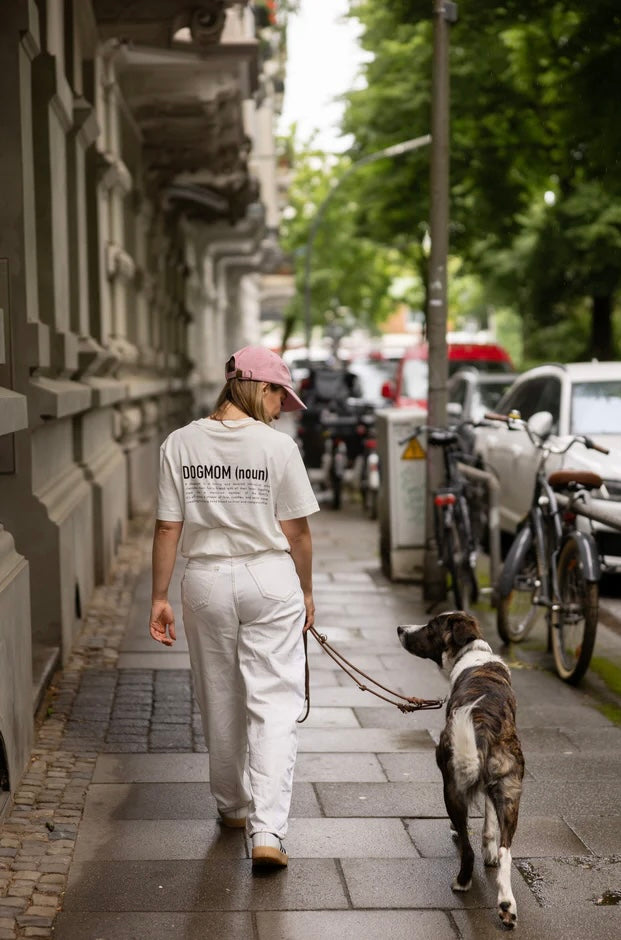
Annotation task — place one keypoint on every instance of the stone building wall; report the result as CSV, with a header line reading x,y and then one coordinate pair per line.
x,y
130,231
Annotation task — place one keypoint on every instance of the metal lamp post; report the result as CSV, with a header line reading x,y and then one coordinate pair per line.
x,y
394,151
444,13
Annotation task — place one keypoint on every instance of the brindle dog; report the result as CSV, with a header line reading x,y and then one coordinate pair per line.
x,y
479,750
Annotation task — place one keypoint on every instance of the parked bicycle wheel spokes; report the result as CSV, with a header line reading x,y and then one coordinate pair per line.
x,y
574,636
518,611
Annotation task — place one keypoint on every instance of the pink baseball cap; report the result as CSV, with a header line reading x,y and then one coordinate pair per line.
x,y
262,365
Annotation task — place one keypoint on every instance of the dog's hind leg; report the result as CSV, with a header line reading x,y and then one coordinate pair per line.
x,y
457,808
506,799
490,834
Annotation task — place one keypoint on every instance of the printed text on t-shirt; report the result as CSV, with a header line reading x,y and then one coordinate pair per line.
x,y
220,483
222,472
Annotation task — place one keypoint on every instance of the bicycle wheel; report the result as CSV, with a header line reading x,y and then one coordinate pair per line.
x,y
371,503
465,556
457,562
574,637
452,562
337,490
516,614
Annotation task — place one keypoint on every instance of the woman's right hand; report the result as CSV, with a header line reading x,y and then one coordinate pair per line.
x,y
162,620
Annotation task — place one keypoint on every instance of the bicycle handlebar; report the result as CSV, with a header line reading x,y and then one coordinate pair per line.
x,y
593,446
492,416
450,431
579,438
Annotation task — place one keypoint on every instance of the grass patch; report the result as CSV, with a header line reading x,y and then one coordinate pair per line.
x,y
611,712
609,672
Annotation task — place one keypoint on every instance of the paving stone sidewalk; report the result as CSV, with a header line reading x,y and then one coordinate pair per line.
x,y
113,833
37,838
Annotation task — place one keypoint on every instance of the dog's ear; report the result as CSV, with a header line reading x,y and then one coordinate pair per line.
x,y
464,627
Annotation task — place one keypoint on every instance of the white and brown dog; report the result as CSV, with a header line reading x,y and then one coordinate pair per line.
x,y
479,750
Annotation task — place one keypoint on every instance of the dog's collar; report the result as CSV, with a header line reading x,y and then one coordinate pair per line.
x,y
471,647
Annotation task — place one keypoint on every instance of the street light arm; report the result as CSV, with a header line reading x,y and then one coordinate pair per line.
x,y
393,151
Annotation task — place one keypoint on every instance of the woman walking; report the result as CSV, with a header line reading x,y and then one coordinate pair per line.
x,y
239,491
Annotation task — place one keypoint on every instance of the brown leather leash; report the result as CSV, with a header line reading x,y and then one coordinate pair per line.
x,y
409,703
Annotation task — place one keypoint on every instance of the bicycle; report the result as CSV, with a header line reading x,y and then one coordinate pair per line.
x,y
552,564
453,529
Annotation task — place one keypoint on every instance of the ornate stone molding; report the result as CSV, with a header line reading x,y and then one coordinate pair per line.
x,y
113,172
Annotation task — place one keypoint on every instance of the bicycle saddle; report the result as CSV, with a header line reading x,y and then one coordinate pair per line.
x,y
441,437
561,479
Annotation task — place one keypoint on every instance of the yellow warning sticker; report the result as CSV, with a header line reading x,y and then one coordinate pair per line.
x,y
414,451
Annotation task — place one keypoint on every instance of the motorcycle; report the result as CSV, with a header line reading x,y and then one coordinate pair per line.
x,y
349,456
336,435
325,392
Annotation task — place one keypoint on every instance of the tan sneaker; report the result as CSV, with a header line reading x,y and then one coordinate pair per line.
x,y
234,818
268,850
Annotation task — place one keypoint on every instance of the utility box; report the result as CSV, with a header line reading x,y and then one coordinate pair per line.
x,y
402,492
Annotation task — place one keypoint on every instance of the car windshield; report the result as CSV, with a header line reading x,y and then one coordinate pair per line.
x,y
414,382
596,407
491,393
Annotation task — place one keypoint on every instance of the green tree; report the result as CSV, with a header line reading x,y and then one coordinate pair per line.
x,y
534,91
352,276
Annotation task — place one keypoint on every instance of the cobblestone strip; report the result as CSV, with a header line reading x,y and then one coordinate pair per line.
x,y
37,838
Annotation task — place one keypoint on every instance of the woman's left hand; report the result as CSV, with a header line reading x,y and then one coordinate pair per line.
x,y
162,620
310,612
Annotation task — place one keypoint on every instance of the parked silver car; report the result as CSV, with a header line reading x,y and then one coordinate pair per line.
x,y
583,398
471,393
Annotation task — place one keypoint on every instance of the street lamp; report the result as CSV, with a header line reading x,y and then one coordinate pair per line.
x,y
394,151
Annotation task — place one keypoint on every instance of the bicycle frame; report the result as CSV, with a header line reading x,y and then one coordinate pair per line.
x,y
452,525
547,527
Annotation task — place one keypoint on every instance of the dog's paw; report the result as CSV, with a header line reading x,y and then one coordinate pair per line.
x,y
507,912
456,886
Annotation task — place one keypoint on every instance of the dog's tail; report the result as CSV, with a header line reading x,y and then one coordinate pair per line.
x,y
466,760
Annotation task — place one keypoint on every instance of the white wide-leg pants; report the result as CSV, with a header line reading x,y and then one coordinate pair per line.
x,y
243,619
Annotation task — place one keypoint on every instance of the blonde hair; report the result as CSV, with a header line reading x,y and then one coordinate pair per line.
x,y
247,395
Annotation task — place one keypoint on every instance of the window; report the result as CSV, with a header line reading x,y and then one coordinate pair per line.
x,y
488,395
550,400
525,398
596,408
458,392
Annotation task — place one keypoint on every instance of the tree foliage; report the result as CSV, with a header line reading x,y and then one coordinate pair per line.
x,y
534,104
351,275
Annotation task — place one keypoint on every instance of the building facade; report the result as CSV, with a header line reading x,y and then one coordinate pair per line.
x,y
137,210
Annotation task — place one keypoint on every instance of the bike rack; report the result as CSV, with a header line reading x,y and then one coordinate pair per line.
x,y
493,502
598,510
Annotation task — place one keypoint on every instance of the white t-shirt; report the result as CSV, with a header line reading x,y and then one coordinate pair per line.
x,y
230,483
